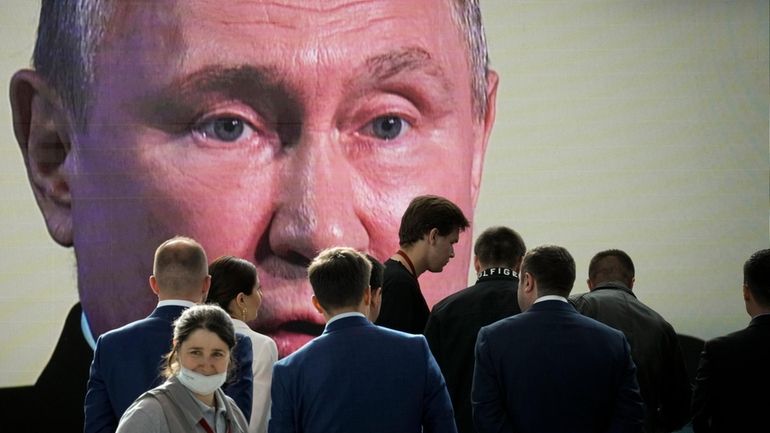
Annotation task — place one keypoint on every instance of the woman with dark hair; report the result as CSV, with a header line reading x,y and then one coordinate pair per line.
x,y
235,288
190,400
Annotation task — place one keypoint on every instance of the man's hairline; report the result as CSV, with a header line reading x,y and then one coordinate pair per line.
x,y
91,48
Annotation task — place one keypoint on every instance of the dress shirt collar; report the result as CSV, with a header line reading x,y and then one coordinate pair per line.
x,y
176,302
344,315
551,298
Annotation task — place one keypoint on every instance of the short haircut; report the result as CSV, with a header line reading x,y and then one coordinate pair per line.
x,y
611,265
427,212
552,267
70,33
339,277
209,317
378,270
756,276
499,246
180,265
229,277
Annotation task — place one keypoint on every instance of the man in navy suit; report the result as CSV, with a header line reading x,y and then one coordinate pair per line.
x,y
357,377
128,360
550,369
732,384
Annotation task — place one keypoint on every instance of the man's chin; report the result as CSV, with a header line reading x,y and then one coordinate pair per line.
x,y
289,341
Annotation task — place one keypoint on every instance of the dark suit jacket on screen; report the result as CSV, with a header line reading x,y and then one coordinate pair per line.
x,y
55,402
358,377
732,385
553,370
452,328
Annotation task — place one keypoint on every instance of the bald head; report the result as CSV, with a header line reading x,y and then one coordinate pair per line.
x,y
180,270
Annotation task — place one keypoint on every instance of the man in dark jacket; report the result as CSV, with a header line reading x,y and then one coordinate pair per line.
x,y
661,370
455,321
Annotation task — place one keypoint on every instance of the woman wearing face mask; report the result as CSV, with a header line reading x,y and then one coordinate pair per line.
x,y
190,400
235,288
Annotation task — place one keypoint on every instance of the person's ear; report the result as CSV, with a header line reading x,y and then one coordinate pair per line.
x,y
42,129
205,288
317,305
154,285
746,293
433,236
631,285
529,282
484,130
590,284
476,264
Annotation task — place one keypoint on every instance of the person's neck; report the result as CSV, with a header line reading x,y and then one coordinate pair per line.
x,y
416,253
328,315
208,399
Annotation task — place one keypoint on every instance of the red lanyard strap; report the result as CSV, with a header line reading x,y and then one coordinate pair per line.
x,y
207,427
408,262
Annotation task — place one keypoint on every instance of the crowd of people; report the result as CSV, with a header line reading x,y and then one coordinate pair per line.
x,y
305,131
513,352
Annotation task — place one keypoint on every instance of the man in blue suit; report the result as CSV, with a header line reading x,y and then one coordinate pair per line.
x,y
357,377
127,361
550,369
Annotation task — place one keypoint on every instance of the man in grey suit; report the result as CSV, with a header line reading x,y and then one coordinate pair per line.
x,y
356,376
550,369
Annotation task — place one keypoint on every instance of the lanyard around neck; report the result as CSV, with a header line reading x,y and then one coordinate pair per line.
x,y
408,262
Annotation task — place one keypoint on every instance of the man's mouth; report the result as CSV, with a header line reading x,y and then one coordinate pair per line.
x,y
290,336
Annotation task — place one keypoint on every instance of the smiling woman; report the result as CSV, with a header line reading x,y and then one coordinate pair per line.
x,y
196,367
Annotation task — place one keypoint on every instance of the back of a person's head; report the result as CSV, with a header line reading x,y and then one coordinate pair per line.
x,y
211,318
339,277
427,212
756,276
180,266
230,276
611,265
499,246
552,267
377,275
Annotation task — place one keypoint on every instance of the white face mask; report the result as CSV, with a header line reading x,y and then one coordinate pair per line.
x,y
199,383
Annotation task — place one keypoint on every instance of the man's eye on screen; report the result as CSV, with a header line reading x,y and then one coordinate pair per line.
x,y
225,129
387,127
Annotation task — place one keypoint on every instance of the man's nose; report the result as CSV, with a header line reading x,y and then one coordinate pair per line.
x,y
318,206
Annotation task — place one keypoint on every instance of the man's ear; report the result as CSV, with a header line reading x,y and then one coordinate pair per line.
x,y
154,285
42,130
476,264
317,305
433,236
482,137
205,288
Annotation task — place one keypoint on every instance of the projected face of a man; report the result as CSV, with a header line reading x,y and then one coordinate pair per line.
x,y
269,131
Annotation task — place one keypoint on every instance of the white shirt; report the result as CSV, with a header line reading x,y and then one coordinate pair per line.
x,y
265,353
551,298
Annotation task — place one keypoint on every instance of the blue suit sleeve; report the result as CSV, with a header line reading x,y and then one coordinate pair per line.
x,y
437,416
282,410
240,384
628,415
487,398
99,416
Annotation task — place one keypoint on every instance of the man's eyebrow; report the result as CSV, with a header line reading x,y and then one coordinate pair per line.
x,y
259,85
384,66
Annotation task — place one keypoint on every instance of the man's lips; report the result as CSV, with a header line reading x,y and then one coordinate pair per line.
x,y
292,335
